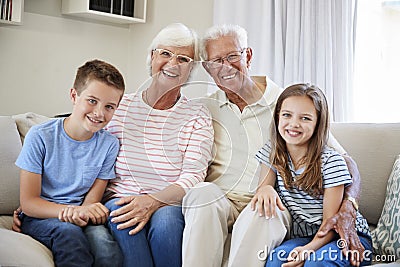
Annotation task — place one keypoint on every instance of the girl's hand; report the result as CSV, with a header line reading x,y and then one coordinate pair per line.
x,y
267,199
136,210
297,257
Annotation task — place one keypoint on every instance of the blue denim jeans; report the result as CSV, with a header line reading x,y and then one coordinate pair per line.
x,y
104,248
158,244
67,241
328,255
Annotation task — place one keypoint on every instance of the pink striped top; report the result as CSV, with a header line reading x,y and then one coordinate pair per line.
x,y
160,147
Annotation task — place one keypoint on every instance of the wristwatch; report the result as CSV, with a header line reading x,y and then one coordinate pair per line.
x,y
353,201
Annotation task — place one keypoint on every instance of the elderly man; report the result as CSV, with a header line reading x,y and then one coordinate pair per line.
x,y
241,113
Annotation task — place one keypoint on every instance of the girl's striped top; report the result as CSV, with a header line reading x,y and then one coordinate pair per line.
x,y
307,211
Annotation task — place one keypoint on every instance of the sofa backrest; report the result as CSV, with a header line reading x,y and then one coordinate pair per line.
x,y
10,146
374,147
13,130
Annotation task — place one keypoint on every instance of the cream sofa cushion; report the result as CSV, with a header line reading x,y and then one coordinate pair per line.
x,y
16,249
374,147
22,250
10,146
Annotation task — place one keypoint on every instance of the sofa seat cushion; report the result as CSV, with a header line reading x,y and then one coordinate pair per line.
x,y
6,222
21,250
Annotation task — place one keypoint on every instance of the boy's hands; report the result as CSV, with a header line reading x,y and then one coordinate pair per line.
x,y
97,213
16,221
268,199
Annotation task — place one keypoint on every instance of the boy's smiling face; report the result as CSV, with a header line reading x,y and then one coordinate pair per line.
x,y
94,107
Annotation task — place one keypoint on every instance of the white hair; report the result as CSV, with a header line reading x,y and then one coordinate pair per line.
x,y
175,34
218,31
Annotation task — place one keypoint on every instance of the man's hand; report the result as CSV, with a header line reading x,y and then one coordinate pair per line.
x,y
16,221
343,223
135,210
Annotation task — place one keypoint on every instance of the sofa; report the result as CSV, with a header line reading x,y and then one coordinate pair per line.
x,y
374,147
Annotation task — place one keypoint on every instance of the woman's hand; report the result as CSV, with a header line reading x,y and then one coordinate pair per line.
x,y
267,199
136,210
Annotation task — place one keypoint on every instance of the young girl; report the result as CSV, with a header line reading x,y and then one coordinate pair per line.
x,y
309,179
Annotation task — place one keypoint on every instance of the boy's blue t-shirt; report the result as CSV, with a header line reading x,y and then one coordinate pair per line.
x,y
68,167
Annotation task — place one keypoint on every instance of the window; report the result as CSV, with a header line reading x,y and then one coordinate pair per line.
x,y
377,62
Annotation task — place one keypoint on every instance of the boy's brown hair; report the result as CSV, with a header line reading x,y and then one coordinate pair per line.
x,y
100,71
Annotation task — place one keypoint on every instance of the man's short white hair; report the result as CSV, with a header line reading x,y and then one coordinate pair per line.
x,y
218,31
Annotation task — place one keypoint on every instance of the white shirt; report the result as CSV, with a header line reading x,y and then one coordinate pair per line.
x,y
238,136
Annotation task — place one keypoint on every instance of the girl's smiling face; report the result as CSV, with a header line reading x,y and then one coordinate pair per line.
x,y
297,121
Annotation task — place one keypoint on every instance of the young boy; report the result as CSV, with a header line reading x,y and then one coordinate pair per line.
x,y
66,163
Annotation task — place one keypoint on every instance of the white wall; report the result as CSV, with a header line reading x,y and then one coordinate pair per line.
x,y
38,60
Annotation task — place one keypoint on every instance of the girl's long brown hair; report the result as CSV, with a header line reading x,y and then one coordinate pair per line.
x,y
310,180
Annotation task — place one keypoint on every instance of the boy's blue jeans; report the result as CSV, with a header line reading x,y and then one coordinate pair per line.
x,y
104,248
67,241
328,255
159,243
72,245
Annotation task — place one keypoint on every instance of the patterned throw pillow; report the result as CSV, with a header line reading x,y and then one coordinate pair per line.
x,y
386,236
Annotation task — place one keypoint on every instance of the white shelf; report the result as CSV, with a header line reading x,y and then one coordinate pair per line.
x,y
80,8
17,13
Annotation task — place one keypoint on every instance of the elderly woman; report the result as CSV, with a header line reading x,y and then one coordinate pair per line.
x,y
166,143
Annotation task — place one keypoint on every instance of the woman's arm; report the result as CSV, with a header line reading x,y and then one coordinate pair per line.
x,y
137,210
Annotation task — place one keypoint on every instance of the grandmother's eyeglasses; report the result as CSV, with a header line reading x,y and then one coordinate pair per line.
x,y
181,59
231,58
